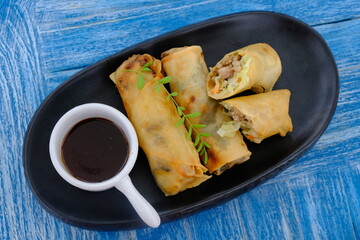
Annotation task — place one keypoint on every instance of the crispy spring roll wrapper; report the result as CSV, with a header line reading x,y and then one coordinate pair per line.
x,y
188,70
256,67
261,115
173,159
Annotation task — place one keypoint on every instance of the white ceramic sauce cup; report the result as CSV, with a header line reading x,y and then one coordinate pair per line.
x,y
121,180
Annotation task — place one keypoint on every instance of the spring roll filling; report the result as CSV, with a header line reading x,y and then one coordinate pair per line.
x,y
228,129
244,122
238,116
231,70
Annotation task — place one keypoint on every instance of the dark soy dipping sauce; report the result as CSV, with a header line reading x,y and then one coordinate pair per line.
x,y
95,150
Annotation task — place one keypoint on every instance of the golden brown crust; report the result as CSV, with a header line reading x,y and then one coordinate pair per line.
x,y
188,70
173,159
259,70
268,114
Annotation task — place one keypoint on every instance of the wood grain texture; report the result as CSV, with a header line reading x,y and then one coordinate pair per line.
x,y
42,43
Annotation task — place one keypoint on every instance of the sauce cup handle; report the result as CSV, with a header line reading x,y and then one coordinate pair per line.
x,y
143,208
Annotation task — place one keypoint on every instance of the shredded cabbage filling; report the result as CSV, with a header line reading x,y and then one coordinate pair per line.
x,y
228,129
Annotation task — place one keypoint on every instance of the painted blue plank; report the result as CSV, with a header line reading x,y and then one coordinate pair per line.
x,y
350,179
21,91
326,206
74,42
318,197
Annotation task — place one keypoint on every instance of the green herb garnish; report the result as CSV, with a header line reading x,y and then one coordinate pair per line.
x,y
200,145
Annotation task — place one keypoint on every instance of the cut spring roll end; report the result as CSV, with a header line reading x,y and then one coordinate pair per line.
x,y
261,115
256,67
230,75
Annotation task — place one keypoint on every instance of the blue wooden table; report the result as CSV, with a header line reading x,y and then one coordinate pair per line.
x,y
44,42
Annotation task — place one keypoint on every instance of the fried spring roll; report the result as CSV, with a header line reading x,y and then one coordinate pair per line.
x,y
188,70
173,159
261,115
255,67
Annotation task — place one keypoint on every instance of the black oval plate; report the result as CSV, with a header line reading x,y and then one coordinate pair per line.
x,y
309,71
